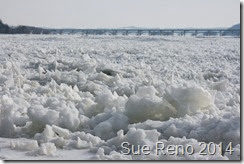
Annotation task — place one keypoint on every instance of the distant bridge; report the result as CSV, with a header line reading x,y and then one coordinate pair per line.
x,y
164,32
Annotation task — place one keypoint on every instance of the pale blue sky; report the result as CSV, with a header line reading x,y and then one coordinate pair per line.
x,y
121,13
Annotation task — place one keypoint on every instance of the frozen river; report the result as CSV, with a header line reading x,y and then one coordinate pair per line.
x,y
82,97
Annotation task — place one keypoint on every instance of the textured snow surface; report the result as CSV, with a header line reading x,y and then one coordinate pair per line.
x,y
80,97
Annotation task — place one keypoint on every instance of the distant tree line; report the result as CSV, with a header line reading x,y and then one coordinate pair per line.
x,y
5,29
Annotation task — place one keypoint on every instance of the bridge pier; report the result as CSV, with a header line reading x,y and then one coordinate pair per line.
x,y
139,32
114,32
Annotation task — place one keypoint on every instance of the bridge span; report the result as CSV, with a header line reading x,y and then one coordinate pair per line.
x,y
164,32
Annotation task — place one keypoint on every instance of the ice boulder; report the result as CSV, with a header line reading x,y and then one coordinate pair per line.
x,y
146,91
69,119
219,86
94,140
146,105
104,101
78,144
41,116
24,145
108,128
48,149
60,131
46,135
188,99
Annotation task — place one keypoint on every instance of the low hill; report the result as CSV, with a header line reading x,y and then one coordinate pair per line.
x,y
236,26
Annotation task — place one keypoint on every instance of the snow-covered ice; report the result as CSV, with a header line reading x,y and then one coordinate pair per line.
x,y
80,97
